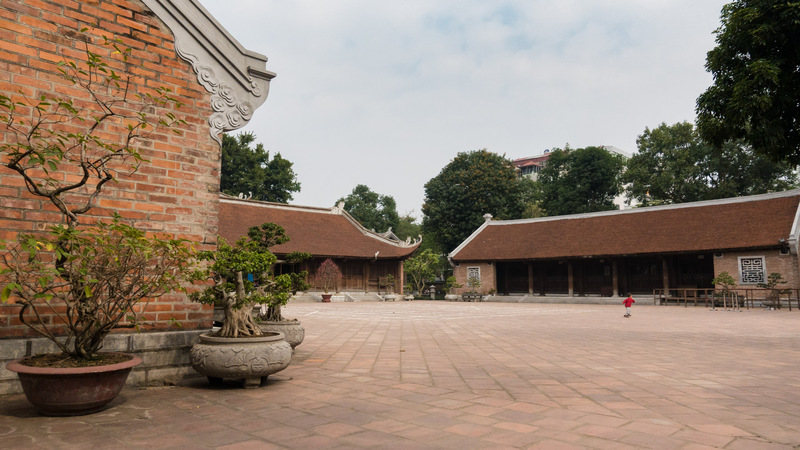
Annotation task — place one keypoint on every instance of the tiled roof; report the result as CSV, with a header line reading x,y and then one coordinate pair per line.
x,y
319,231
730,224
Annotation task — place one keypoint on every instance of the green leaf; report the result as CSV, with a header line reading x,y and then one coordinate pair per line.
x,y
6,294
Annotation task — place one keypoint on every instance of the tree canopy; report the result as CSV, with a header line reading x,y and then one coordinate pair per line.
x,y
374,211
407,227
674,165
756,90
248,170
582,180
471,185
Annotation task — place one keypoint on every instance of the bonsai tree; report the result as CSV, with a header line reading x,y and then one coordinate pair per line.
x,y
328,275
474,284
268,235
242,276
451,284
386,283
774,280
725,282
84,281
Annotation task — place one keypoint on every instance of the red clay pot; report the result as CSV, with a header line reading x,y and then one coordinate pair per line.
x,y
72,391
327,298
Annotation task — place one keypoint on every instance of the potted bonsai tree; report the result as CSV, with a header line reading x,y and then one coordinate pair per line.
x,y
474,284
387,283
242,278
75,284
723,283
449,285
270,317
327,277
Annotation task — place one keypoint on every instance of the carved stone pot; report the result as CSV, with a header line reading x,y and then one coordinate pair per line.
x,y
291,329
73,391
252,359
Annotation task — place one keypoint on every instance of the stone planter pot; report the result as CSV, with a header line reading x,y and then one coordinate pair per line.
x,y
292,331
72,391
252,359
327,298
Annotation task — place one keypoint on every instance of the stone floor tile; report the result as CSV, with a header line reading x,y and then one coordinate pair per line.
x,y
479,375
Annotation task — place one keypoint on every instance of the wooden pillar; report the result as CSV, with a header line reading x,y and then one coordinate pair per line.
x,y
614,278
366,276
399,277
665,274
571,278
505,278
530,278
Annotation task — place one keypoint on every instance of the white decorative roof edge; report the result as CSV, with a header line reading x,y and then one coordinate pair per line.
x,y
644,209
236,77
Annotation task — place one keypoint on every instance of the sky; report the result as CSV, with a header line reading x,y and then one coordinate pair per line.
x,y
386,94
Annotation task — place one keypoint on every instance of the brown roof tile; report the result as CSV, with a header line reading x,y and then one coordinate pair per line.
x,y
319,231
745,222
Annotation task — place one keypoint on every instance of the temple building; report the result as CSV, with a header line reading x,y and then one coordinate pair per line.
x,y
365,257
637,250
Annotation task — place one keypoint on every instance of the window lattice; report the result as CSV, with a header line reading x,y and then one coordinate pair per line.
x,y
474,272
752,270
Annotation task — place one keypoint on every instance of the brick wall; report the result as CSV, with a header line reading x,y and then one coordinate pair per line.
x,y
176,192
786,265
488,278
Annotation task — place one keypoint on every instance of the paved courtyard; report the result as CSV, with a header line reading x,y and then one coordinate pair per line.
x,y
476,375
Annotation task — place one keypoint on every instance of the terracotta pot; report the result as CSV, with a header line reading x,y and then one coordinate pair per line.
x,y
293,332
72,391
327,298
250,358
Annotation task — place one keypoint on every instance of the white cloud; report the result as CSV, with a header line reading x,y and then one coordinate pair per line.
x,y
387,93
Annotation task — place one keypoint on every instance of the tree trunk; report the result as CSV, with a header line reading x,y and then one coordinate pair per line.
x,y
238,322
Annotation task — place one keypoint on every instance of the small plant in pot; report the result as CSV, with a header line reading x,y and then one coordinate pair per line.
x,y
327,277
474,284
242,278
75,284
449,286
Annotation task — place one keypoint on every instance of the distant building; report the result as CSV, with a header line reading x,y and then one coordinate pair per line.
x,y
364,256
531,166
639,250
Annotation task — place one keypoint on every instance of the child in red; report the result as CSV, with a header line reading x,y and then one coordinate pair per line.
x,y
628,302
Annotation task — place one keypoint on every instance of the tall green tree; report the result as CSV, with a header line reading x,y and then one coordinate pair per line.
x,y
580,181
248,170
674,165
421,269
471,185
407,227
756,90
374,211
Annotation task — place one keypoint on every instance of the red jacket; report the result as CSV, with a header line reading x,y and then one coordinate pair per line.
x,y
628,301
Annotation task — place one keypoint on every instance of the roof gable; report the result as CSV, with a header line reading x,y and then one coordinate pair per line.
x,y
740,223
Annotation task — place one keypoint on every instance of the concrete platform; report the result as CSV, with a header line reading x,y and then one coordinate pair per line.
x,y
427,374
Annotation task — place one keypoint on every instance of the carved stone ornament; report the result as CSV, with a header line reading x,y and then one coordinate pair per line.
x,y
248,358
236,78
